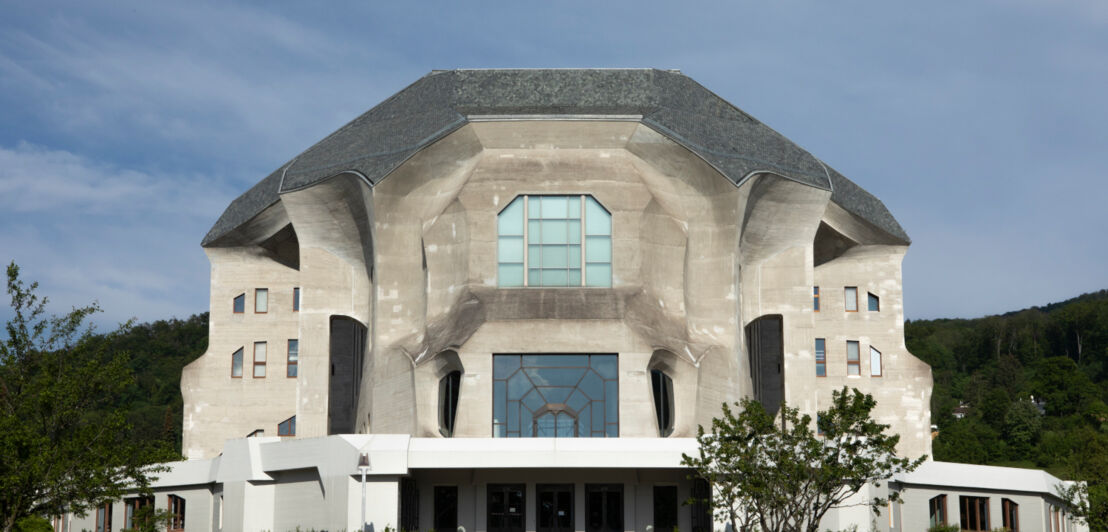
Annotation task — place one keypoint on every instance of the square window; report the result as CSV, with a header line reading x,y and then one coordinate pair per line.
x,y
552,240
261,300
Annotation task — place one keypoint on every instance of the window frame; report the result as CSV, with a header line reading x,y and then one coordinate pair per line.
x,y
821,361
936,508
815,299
261,291
176,507
880,362
847,298
449,393
292,366
661,392
257,364
296,299
131,505
1010,514
969,507
103,515
241,298
290,423
582,245
241,353
873,302
857,362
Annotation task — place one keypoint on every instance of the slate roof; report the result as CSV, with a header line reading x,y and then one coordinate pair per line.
x,y
377,142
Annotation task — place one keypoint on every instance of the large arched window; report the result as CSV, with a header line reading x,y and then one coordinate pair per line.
x,y
448,402
662,387
554,241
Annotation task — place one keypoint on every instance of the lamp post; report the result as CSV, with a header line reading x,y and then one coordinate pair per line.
x,y
363,467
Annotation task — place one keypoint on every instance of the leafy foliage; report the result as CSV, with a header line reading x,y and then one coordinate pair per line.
x,y
772,471
1031,387
66,440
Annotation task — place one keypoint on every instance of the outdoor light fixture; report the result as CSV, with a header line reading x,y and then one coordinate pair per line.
x,y
363,467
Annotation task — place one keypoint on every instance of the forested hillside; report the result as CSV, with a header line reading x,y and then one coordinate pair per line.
x,y
1027,388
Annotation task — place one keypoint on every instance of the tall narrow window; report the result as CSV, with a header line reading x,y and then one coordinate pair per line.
x,y
850,297
821,357
1010,514
236,363
239,304
974,513
261,300
874,362
287,427
104,518
663,401
701,506
936,510
296,299
815,298
132,517
554,241
259,360
294,358
853,358
448,402
874,302
176,513
446,508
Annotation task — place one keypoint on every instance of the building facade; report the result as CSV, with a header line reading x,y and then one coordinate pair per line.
x,y
518,293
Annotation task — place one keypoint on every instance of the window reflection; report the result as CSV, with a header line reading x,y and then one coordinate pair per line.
x,y
561,396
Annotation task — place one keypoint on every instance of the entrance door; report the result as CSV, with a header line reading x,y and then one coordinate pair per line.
x,y
505,507
603,507
554,507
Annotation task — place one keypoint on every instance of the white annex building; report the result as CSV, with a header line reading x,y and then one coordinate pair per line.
x,y
509,297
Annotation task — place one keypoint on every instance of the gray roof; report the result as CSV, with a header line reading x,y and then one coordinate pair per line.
x,y
379,141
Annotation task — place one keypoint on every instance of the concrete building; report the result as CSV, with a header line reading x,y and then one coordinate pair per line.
x,y
518,293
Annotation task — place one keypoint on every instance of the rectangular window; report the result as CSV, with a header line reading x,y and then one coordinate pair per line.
x,y
874,362
176,513
554,241
555,396
261,300
815,298
821,357
239,304
853,358
104,518
137,511
294,358
1010,514
936,510
975,513
446,508
874,302
665,508
850,297
296,299
259,360
819,426
236,363
287,427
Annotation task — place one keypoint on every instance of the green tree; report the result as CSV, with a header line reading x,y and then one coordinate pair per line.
x,y
66,446
773,472
1022,426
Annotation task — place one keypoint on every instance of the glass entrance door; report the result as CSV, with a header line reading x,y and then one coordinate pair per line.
x,y
554,507
603,507
505,506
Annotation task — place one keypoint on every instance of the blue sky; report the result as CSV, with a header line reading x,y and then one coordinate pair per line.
x,y
127,127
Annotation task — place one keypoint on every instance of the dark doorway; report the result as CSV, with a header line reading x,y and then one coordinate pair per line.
x,y
766,347
603,508
505,504
665,508
554,507
348,338
446,508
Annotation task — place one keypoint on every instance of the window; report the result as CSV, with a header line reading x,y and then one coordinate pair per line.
x,y
137,511
604,508
874,362
820,430
936,510
850,296
815,298
701,506
296,299
821,357
236,364
259,360
446,508
975,513
662,386
104,517
665,508
853,360
555,396
448,402
176,513
239,305
287,427
294,358
874,302
1010,515
256,433
540,240
261,300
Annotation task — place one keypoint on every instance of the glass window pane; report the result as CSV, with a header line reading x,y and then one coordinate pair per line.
x,y
568,377
236,363
605,365
261,300
533,400
518,385
510,220
554,278
259,370
592,385
240,304
499,401
852,351
505,365
555,257
574,256
513,416
294,350
510,275
510,249
598,275
874,303
598,249
259,352
534,231
584,418
574,229
554,395
554,232
575,207
573,278
577,401
851,295
534,277
598,416
874,362
556,361
611,399
597,220
555,207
